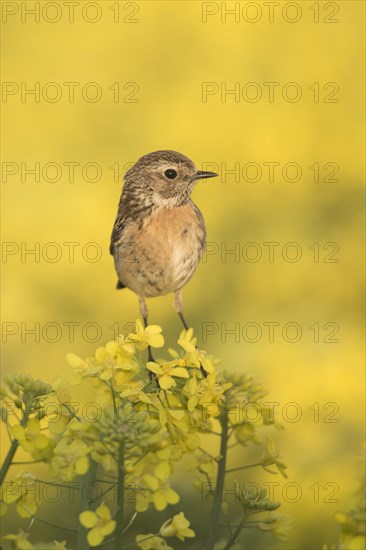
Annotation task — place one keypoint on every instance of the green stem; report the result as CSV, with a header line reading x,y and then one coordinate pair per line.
x,y
12,450
101,494
228,524
54,525
120,494
8,432
88,480
72,413
103,544
220,479
63,485
236,533
8,460
209,454
17,462
244,467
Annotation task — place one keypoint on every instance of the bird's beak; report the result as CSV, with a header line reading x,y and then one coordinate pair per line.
x,y
203,175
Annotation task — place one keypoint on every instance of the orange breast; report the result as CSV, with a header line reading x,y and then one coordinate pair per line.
x,y
164,253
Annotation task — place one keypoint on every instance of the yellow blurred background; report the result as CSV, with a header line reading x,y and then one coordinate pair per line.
x,y
161,70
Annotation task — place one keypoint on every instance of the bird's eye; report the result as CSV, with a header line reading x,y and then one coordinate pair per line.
x,y
170,174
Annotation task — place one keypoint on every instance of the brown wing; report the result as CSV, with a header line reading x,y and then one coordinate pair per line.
x,y
115,238
118,227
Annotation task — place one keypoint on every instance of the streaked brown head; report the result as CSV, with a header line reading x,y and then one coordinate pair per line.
x,y
164,176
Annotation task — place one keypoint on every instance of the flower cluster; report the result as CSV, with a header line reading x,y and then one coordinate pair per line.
x,y
151,419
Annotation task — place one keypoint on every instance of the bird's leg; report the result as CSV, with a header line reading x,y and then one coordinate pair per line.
x,y
144,313
178,305
183,320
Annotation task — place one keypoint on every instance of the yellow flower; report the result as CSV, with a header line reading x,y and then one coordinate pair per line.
x,y
204,394
99,522
212,393
205,463
20,540
81,369
162,493
174,413
194,357
190,390
152,542
149,336
188,442
165,373
22,491
173,416
59,417
61,390
104,458
70,459
278,524
46,454
30,437
13,490
163,496
177,527
58,422
134,392
120,351
27,505
245,433
115,357
108,362
187,341
272,457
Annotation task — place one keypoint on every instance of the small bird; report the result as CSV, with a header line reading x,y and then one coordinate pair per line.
x,y
159,234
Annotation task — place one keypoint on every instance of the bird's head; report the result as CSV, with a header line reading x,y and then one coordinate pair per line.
x,y
167,177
